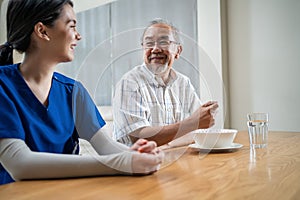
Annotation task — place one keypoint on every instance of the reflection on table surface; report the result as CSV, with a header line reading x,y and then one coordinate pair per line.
x,y
270,173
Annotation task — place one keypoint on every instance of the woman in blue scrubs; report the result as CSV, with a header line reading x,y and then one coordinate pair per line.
x,y
43,113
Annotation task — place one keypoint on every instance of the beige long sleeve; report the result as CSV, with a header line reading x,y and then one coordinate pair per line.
x,y
22,163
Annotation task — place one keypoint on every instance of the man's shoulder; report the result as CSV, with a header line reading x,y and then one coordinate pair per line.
x,y
181,77
136,74
134,78
134,71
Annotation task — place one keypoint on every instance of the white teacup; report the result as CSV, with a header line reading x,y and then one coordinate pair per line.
x,y
214,138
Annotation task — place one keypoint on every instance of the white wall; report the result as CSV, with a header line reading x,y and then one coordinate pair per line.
x,y
210,56
3,5
264,61
81,5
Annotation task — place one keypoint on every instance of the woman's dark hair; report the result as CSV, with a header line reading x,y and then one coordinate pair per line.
x,y
22,15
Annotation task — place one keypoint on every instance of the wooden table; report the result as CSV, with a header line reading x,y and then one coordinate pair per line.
x,y
271,173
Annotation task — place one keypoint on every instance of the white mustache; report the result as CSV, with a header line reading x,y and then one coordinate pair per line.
x,y
157,56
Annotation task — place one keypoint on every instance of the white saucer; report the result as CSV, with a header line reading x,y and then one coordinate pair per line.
x,y
234,146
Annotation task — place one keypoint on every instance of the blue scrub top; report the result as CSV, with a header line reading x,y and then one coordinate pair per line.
x,y
55,129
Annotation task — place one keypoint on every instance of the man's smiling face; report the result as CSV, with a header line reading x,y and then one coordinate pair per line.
x,y
160,48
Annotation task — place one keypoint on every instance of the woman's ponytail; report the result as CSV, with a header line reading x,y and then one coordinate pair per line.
x,y
6,54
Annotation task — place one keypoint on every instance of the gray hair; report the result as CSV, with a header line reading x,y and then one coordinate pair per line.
x,y
175,30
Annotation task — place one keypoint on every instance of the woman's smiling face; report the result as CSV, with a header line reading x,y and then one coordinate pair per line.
x,y
63,35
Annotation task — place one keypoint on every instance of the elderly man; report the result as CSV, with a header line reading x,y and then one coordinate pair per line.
x,y
154,101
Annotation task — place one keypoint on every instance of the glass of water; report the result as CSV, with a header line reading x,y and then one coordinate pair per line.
x,y
258,129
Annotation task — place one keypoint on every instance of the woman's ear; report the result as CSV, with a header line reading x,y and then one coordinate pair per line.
x,y
40,31
179,50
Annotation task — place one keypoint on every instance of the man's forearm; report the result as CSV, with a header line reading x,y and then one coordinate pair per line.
x,y
164,134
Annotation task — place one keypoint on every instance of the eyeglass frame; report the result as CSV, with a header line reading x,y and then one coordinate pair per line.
x,y
159,45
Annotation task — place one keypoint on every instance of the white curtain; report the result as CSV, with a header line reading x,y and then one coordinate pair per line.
x,y
111,42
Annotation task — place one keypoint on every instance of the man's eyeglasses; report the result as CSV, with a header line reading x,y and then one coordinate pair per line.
x,y
159,43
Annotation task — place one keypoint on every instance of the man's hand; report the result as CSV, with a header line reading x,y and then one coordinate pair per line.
x,y
204,116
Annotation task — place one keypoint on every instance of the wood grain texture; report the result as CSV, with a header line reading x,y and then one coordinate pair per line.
x,y
271,173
